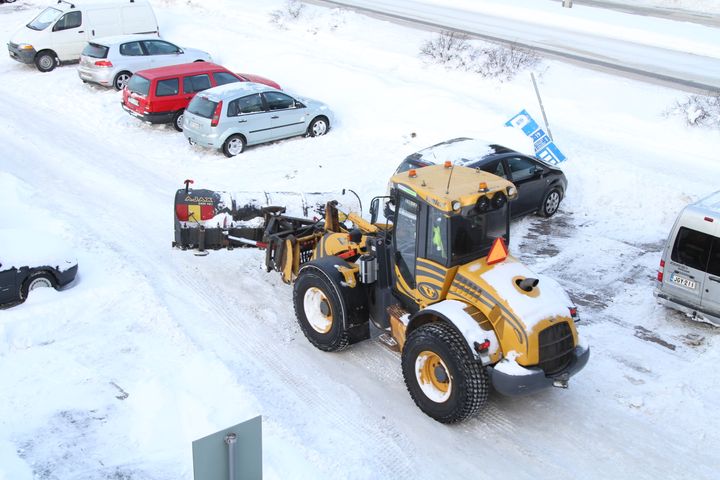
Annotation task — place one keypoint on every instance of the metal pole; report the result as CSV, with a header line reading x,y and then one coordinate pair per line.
x,y
230,440
567,3
542,109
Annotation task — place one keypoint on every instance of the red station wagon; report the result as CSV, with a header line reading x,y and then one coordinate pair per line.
x,y
160,95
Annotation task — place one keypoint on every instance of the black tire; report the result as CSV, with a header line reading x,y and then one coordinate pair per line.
x,y
318,127
37,280
464,378
177,120
324,327
121,79
234,145
551,202
45,61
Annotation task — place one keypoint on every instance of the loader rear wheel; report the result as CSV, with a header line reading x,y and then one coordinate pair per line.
x,y
443,378
320,310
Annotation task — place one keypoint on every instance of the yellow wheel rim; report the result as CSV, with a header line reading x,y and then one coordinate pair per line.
x,y
318,310
433,376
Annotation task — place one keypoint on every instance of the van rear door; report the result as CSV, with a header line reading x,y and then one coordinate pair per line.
x,y
711,293
685,272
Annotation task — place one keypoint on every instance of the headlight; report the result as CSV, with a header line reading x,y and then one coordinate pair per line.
x,y
511,191
456,205
25,46
498,200
482,204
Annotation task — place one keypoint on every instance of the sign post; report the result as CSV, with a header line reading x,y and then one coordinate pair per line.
x,y
231,454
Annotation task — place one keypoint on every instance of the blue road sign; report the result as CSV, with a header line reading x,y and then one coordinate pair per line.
x,y
545,148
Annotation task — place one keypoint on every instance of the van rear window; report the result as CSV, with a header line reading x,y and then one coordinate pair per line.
x,y
692,249
139,84
95,51
202,106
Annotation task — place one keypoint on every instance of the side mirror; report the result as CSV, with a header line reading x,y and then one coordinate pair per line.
x,y
180,51
374,207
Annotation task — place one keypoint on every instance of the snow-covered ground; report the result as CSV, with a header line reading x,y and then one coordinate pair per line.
x,y
152,348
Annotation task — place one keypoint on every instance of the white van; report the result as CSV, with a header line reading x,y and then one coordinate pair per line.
x,y
689,275
59,33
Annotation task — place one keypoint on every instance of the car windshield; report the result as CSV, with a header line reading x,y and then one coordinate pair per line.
x,y
202,106
472,235
139,84
95,51
46,17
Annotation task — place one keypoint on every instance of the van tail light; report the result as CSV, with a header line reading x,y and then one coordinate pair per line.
x,y
216,115
103,63
660,272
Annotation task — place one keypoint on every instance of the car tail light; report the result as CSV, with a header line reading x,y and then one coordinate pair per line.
x,y
660,272
103,63
216,115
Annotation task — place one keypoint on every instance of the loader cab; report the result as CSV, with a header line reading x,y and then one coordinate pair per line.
x,y
443,217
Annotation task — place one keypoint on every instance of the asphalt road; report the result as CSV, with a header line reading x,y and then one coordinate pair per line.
x,y
689,71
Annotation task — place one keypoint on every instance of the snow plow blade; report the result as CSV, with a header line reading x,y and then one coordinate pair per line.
x,y
207,219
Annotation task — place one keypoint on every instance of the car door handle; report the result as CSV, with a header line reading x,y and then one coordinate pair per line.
x,y
689,276
714,279
274,117
242,121
81,31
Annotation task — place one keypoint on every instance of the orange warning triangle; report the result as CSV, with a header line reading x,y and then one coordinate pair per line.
x,y
498,251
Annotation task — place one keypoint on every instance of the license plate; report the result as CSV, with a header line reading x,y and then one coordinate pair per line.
x,y
683,282
133,101
194,124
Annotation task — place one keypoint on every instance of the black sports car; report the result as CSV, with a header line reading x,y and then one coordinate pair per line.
x,y
26,264
541,187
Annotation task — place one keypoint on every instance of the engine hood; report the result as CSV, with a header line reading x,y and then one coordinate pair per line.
x,y
28,35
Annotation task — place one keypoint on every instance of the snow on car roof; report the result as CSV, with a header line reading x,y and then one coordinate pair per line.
x,y
27,248
229,89
459,151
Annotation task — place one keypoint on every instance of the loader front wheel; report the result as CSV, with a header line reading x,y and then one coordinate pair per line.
x,y
320,310
443,378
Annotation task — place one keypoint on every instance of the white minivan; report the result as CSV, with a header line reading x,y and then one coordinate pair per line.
x,y
59,33
689,275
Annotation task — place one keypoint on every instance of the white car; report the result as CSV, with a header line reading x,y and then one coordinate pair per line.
x,y
111,61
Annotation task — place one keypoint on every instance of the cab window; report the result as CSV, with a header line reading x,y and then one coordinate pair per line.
x,y
437,236
692,248
196,83
68,21
405,238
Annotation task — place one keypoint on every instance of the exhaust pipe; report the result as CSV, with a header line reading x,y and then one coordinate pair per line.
x,y
527,284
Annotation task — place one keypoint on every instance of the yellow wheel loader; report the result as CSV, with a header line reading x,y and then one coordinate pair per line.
x,y
436,281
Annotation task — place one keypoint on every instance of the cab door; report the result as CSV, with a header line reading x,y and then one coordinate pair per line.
x,y
405,243
69,36
711,287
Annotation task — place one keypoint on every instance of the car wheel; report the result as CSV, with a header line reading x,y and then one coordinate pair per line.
x,y
36,280
45,61
121,79
319,126
443,378
551,203
234,145
178,120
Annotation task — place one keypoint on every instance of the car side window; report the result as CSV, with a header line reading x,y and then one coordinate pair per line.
x,y
196,83
132,49
692,248
521,168
496,168
244,105
223,78
168,87
157,47
278,101
68,21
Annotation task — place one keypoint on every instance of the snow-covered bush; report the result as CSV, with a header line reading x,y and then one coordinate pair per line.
x,y
501,62
291,12
698,110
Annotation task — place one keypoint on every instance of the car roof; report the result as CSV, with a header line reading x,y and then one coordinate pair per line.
x,y
233,89
460,151
181,69
117,39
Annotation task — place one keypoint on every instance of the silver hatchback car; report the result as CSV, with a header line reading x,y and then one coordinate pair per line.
x,y
111,61
235,115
